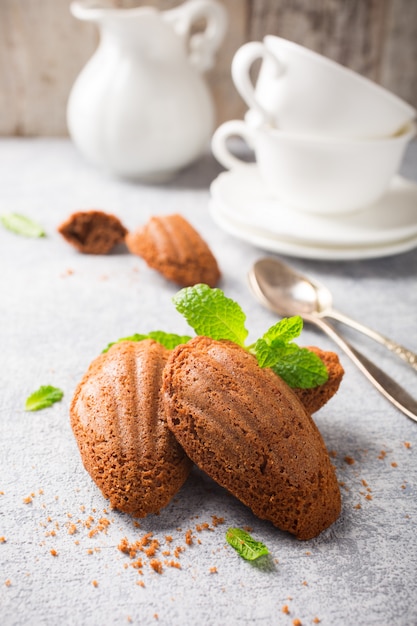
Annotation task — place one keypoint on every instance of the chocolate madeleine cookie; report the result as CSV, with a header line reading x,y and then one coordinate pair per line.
x,y
118,420
244,427
93,232
315,398
170,245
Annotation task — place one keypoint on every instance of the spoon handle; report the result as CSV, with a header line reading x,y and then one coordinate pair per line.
x,y
384,383
406,355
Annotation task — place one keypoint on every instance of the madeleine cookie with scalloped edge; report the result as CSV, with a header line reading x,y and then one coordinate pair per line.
x,y
171,246
118,419
248,431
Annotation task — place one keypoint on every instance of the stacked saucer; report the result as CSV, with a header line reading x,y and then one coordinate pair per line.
x,y
242,206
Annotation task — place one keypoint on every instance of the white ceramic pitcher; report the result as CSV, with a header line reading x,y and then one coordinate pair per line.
x,y
140,108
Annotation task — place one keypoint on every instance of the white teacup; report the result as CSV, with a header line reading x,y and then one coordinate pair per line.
x,y
328,176
303,92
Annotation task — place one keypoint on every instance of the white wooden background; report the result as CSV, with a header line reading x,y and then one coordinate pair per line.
x,y
42,49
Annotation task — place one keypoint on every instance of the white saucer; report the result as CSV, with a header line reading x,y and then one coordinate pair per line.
x,y
244,199
267,241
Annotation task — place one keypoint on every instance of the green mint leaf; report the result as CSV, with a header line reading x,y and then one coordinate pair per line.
x,y
44,397
301,368
285,330
245,545
210,313
22,225
169,340
135,337
267,354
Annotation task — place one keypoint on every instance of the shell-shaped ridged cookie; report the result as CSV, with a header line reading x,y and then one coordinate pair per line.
x,y
118,420
170,245
244,427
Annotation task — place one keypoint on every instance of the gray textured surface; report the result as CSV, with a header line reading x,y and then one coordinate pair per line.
x,y
58,309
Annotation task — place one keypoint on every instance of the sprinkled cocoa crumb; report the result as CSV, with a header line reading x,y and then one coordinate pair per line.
x,y
188,538
72,529
248,529
1,493
200,527
407,444
166,553
2,539
364,483
394,464
285,609
358,506
156,565
173,563
178,551
94,583
316,620
152,549
305,583
349,460
8,582
156,616
27,500
296,622
53,552
217,520
382,455
90,551
368,496
140,583
168,538
213,570
308,553
333,454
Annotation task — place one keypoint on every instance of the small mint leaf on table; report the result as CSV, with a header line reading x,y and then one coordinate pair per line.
x,y
245,545
43,397
211,314
22,225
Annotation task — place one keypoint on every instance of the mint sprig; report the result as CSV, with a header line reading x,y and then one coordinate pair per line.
x,y
244,544
209,312
22,225
43,397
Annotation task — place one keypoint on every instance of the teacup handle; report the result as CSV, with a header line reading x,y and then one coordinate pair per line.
x,y
242,63
232,128
202,45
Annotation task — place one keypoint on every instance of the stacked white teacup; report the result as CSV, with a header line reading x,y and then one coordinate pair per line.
x,y
326,139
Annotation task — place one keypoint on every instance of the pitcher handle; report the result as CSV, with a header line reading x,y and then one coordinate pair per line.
x,y
232,128
202,46
242,63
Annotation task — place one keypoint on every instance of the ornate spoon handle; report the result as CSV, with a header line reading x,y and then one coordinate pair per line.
x,y
381,381
406,355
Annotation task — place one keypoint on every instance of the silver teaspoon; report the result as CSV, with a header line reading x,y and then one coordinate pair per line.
x,y
287,293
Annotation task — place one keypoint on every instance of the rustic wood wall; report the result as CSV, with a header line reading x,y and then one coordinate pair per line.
x,y
42,49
